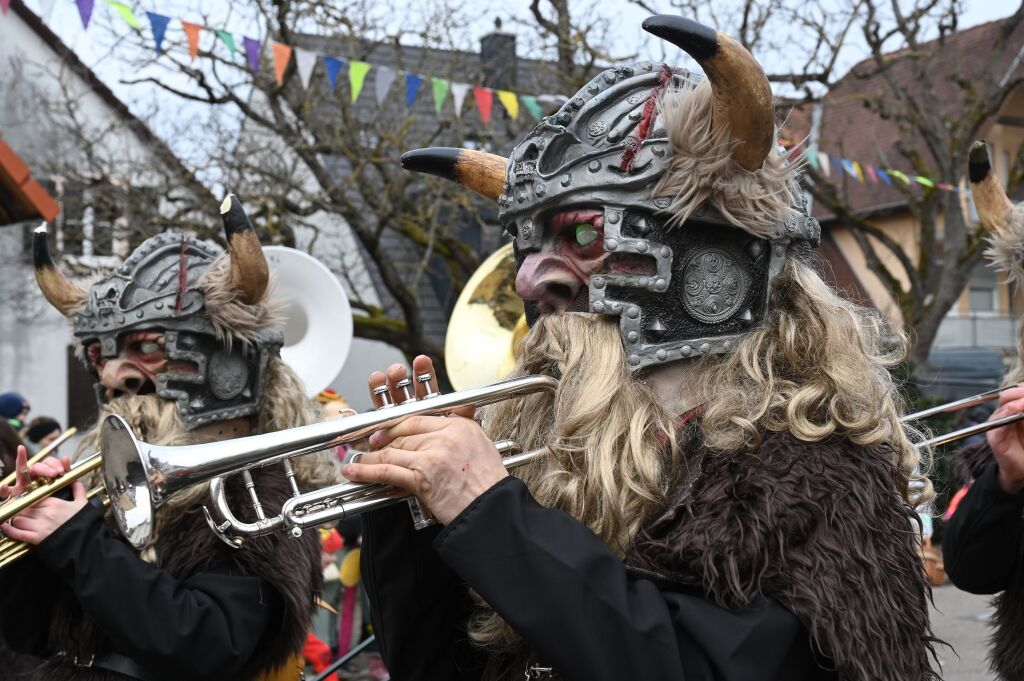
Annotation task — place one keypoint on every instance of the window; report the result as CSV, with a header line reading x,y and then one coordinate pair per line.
x,y
983,291
87,224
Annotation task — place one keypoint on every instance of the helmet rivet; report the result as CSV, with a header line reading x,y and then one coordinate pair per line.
x,y
633,336
610,244
666,252
613,218
616,307
661,284
634,312
634,359
598,306
594,166
566,180
641,247
662,354
686,350
598,282
540,189
705,348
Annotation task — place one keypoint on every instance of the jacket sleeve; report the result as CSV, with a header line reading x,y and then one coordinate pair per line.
x,y
419,606
571,598
982,544
204,627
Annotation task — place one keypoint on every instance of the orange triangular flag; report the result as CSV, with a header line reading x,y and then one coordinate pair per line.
x,y
282,54
192,33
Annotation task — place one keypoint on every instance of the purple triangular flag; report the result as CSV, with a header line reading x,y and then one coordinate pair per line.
x,y
159,23
85,11
252,53
333,65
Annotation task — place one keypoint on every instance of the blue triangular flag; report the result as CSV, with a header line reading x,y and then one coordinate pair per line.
x,y
412,86
159,23
883,176
848,167
333,65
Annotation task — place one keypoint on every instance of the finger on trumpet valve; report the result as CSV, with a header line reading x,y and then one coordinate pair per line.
x,y
384,394
424,380
408,393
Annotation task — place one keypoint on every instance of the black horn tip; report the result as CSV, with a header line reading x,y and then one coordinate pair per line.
x,y
696,39
978,165
440,161
233,215
41,257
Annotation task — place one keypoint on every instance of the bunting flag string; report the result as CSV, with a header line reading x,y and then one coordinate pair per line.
x,y
863,172
305,62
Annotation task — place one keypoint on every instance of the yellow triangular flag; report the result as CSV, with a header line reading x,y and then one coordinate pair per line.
x,y
510,102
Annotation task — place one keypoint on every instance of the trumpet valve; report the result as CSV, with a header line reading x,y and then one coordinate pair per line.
x,y
405,385
384,394
424,380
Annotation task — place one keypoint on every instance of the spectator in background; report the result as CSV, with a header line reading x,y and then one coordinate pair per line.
x,y
14,409
40,432
9,443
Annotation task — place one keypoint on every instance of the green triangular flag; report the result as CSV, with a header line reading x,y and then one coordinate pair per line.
x,y
357,71
228,39
125,11
531,105
441,86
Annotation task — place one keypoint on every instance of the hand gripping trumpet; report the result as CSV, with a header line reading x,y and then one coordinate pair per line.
x,y
139,477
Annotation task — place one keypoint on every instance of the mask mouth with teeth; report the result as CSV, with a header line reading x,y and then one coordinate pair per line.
x,y
653,195
179,318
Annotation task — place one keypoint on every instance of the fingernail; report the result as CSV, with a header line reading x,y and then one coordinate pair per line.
x,y
374,439
346,470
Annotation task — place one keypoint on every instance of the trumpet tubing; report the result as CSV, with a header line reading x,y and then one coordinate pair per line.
x,y
139,477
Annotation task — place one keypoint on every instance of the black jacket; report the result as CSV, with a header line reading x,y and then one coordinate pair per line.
x,y
203,611
552,579
585,613
982,542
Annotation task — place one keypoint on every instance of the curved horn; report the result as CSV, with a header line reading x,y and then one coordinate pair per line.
x,y
989,197
482,172
61,292
249,272
742,96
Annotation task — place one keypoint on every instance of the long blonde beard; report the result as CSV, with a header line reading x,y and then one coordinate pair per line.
x,y
612,448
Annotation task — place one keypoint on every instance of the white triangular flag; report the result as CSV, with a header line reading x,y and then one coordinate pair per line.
x,y
385,77
459,91
46,9
304,62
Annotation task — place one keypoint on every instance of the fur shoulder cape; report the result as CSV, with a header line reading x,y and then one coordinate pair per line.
x,y
184,546
1006,651
817,527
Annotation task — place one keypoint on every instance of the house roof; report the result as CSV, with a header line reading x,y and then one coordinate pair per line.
x,y
134,123
852,130
21,197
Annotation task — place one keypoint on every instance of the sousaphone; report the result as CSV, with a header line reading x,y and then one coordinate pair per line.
x,y
318,318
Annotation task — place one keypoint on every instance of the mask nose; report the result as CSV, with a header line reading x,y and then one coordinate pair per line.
x,y
121,377
546,279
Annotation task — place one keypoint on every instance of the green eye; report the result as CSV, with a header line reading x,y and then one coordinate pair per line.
x,y
586,234
148,347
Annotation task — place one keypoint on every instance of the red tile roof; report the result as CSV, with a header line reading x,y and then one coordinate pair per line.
x,y
21,197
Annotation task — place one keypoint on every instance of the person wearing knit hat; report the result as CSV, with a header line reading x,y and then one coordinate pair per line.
x,y
40,432
14,408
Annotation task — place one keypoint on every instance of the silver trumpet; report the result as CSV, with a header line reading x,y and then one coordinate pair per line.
x,y
140,477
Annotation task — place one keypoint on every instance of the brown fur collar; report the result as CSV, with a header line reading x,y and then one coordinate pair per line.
x,y
1006,650
815,526
185,546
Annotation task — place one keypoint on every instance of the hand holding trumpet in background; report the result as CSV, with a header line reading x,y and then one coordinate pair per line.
x,y
42,519
447,462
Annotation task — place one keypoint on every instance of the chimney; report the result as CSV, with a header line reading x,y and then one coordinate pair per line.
x,y
498,58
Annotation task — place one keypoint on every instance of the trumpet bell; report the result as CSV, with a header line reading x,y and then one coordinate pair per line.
x,y
486,325
126,476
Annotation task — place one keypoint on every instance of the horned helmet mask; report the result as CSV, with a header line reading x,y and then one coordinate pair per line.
x,y
651,196
178,318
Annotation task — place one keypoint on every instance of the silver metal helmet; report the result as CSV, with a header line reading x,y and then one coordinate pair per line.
x,y
162,287
689,289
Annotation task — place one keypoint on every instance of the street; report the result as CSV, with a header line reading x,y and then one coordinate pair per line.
x,y
960,619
